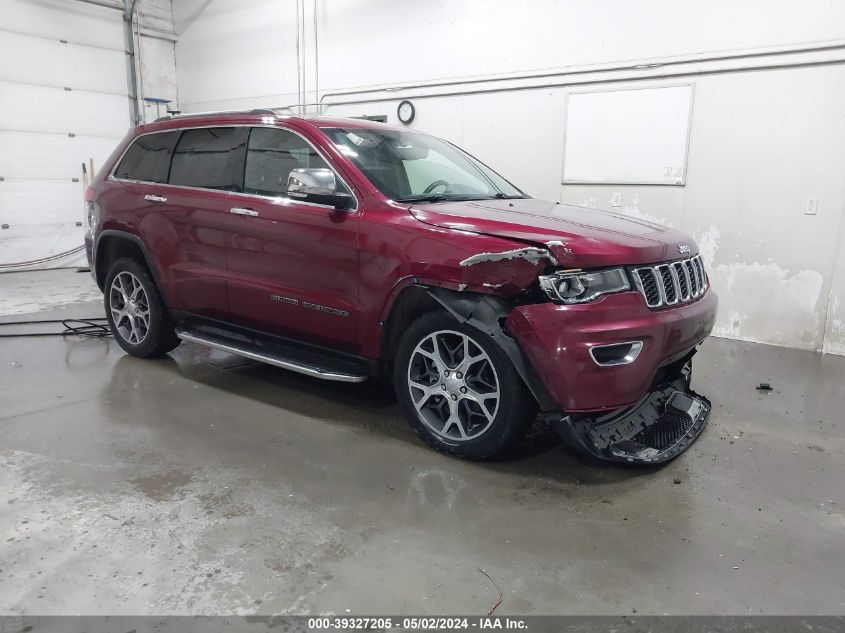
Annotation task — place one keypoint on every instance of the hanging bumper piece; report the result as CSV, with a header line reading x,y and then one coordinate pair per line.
x,y
658,428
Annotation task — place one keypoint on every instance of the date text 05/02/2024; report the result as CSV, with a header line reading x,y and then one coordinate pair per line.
x,y
361,623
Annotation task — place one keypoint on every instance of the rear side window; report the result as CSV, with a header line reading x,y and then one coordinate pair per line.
x,y
211,158
148,158
271,155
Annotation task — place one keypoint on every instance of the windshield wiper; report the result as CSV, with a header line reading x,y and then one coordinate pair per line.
x,y
504,196
428,197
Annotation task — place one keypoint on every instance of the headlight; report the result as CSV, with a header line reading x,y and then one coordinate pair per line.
x,y
583,286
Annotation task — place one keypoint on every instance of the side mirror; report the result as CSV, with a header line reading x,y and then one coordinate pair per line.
x,y
318,186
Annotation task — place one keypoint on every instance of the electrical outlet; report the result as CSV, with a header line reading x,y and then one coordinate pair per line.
x,y
616,199
812,206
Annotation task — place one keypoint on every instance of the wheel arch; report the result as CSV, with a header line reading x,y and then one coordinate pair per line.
x,y
113,244
412,301
485,312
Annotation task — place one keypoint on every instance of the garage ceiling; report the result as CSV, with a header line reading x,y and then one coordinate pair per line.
x,y
64,101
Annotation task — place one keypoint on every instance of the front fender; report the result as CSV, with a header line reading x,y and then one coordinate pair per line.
x,y
488,313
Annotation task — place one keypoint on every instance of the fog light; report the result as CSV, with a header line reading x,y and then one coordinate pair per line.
x,y
616,353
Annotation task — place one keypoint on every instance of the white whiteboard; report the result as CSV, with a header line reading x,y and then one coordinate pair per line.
x,y
637,136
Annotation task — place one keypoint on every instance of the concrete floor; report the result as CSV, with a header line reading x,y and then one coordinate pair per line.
x,y
203,483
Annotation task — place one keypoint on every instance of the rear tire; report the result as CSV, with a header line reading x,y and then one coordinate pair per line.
x,y
458,389
136,313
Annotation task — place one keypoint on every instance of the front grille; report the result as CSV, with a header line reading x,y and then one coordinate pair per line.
x,y
673,283
669,287
648,285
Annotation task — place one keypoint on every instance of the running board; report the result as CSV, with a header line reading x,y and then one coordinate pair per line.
x,y
284,356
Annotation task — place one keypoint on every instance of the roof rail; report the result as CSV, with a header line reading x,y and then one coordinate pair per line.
x,y
197,114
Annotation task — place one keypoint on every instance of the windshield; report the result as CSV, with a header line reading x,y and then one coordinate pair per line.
x,y
409,167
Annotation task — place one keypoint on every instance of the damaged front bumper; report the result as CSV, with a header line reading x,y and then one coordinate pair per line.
x,y
658,428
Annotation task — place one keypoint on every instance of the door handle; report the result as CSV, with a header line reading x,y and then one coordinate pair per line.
x,y
151,198
241,211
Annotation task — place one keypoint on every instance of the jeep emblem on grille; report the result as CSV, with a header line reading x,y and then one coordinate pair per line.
x,y
683,249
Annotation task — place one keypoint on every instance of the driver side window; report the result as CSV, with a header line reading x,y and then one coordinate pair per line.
x,y
271,155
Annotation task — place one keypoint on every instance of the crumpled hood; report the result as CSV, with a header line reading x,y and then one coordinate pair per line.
x,y
577,236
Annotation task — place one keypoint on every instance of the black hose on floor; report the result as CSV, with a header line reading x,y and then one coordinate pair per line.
x,y
95,327
43,260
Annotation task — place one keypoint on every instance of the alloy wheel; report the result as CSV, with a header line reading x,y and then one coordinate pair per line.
x,y
130,308
453,385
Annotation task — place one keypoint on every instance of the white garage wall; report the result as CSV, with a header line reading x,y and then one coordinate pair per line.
x,y
766,134
64,100
156,54
235,54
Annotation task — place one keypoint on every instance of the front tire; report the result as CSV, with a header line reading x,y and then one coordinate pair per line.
x,y
135,311
458,389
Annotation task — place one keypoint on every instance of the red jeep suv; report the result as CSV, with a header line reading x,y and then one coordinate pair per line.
x,y
350,250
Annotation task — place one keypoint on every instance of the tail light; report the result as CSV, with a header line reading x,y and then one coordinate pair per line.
x,y
92,212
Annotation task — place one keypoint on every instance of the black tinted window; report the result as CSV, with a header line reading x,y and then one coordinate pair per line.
x,y
148,158
270,157
209,157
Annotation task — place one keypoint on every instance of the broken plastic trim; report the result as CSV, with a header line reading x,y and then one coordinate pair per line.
x,y
487,314
531,254
660,427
